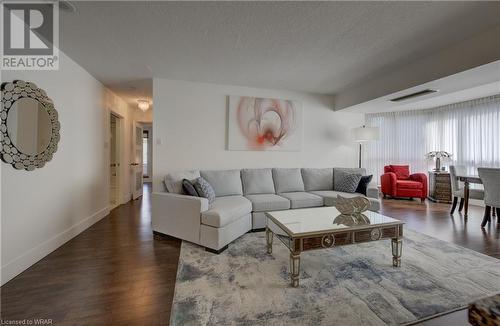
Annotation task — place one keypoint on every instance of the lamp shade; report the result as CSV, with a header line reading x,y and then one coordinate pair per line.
x,y
362,134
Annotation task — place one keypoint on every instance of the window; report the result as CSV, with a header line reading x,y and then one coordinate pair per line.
x,y
467,130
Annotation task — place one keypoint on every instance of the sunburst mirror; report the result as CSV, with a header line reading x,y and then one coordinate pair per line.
x,y
29,129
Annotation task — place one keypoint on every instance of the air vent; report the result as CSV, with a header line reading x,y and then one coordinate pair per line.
x,y
417,94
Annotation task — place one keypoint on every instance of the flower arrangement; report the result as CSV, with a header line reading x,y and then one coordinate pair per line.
x,y
438,155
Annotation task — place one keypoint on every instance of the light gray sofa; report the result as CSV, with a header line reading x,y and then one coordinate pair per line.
x,y
242,198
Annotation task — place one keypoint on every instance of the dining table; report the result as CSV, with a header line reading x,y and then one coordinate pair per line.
x,y
467,180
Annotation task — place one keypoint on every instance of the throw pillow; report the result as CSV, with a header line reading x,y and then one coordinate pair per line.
x,y
363,184
204,189
188,188
347,182
402,171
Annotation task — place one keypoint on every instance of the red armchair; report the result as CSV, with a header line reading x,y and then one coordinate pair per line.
x,y
398,182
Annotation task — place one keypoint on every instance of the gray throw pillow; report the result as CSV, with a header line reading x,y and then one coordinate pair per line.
x,y
347,182
204,189
188,188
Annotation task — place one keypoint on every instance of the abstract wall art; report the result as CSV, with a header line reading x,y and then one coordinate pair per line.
x,y
264,124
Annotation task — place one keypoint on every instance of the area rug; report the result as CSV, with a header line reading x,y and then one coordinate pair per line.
x,y
350,285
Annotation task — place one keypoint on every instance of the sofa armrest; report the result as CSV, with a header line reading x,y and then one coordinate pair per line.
x,y
178,215
388,183
422,178
372,191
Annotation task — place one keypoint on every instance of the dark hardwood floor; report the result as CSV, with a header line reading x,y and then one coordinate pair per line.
x,y
117,273
435,220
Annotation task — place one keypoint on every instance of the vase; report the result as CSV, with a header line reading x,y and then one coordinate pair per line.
x,y
438,164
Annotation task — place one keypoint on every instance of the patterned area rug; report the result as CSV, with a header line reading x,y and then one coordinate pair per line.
x,y
350,285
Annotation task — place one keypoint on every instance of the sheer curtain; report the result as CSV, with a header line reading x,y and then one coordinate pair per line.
x,y
468,130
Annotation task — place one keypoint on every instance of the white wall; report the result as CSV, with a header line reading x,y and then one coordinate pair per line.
x,y
190,122
44,208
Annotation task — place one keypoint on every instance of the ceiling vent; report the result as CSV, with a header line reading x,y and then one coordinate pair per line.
x,y
417,94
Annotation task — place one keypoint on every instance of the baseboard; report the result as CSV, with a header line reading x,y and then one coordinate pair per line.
x,y
126,198
29,258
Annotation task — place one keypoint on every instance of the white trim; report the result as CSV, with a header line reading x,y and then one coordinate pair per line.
x,y
126,198
33,255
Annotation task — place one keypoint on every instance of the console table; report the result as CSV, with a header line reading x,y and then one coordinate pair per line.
x,y
440,187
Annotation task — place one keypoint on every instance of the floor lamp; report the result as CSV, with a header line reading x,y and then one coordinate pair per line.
x,y
364,134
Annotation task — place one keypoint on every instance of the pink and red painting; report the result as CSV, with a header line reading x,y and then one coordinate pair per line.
x,y
264,124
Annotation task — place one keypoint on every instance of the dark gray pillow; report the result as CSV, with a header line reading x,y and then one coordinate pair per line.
x,y
347,182
363,184
204,189
188,188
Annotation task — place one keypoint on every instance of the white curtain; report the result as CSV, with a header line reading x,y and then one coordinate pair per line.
x,y
468,130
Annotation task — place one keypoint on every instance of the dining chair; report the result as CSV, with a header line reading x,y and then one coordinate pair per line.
x,y
491,181
458,192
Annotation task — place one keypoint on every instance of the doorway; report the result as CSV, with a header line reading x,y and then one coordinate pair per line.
x,y
147,152
114,159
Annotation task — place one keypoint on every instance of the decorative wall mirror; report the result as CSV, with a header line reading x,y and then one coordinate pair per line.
x,y
29,129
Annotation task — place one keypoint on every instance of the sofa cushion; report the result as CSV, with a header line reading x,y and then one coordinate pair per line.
x,y
173,181
268,202
409,184
330,198
257,181
259,220
317,179
402,171
225,210
224,182
347,182
302,199
287,180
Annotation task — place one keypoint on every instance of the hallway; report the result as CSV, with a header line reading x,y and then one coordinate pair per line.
x,y
112,273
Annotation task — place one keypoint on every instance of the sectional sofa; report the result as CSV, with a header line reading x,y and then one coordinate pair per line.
x,y
242,198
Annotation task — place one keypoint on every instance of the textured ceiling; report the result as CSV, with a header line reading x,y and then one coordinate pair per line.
x,y
321,47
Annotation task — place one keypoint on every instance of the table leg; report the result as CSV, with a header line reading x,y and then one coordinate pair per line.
x,y
397,249
269,240
295,268
466,198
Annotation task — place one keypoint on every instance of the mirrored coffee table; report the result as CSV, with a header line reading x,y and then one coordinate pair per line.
x,y
324,227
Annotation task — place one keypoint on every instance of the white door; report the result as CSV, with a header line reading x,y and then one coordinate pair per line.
x,y
137,161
